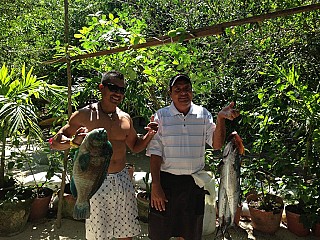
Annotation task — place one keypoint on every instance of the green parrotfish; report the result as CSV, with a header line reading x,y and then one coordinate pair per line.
x,y
90,167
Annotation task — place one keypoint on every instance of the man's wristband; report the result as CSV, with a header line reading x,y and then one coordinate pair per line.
x,y
73,144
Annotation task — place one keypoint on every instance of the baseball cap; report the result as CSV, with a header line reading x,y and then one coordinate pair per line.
x,y
182,77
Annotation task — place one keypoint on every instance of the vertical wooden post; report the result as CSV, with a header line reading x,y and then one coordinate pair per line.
x,y
66,152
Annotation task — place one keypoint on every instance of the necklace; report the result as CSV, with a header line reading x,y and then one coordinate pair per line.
x,y
109,114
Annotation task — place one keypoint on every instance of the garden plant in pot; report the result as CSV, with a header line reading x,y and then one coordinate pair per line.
x,y
316,219
18,123
15,206
294,213
295,210
265,209
312,215
287,119
41,203
143,199
303,208
302,182
43,194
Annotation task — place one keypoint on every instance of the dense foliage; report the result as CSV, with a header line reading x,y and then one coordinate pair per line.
x,y
270,68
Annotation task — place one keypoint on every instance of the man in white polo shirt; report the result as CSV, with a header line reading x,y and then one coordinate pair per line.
x,y
176,152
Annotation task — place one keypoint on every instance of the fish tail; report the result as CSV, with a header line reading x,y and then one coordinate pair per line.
x,y
81,211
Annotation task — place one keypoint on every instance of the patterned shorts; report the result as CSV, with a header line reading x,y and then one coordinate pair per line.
x,y
114,211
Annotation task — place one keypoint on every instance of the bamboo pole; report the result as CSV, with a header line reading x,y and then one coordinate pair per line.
x,y
66,152
196,33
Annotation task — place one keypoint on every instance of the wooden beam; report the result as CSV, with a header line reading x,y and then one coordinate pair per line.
x,y
66,152
197,33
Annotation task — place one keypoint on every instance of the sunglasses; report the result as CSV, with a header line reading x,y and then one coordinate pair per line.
x,y
114,88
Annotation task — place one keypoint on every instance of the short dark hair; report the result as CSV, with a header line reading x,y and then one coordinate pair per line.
x,y
180,76
113,74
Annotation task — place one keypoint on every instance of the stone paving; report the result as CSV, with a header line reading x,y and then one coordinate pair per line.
x,y
71,229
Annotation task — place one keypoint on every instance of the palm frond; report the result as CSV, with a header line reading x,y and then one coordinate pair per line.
x,y
19,117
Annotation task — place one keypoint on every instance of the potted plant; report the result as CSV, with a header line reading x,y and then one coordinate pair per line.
x,y
15,206
143,199
295,209
30,158
315,215
294,213
302,210
303,201
312,215
265,208
41,203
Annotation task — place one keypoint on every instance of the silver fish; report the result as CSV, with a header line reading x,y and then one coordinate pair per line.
x,y
90,167
229,187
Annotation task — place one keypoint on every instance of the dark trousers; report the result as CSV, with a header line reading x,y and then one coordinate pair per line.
x,y
184,210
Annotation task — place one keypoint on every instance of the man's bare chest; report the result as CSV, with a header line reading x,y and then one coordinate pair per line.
x,y
116,129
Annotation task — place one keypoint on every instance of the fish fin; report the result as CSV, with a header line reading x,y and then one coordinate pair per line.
x,y
84,160
81,211
73,188
102,177
75,155
98,185
108,149
108,154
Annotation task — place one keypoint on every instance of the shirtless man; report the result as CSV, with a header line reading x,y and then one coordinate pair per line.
x,y
114,211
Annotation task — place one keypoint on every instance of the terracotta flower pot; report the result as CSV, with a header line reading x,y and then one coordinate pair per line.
x,y
293,222
265,221
316,230
40,205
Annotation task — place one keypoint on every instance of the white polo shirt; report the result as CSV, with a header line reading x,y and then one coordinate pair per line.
x,y
181,140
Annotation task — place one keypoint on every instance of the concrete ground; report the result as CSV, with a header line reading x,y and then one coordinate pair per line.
x,y
71,229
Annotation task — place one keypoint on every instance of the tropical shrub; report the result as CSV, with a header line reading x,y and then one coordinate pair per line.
x,y
20,112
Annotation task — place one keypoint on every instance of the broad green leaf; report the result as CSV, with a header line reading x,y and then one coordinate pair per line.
x,y
147,71
77,35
